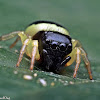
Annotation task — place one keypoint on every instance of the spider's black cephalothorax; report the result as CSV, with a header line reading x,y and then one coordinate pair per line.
x,y
54,47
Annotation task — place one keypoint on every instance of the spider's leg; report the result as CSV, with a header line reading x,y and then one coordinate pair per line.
x,y
14,43
22,51
78,60
86,61
34,51
10,35
76,54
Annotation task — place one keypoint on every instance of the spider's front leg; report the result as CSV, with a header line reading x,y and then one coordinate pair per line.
x,y
80,52
34,52
75,55
86,61
78,60
22,51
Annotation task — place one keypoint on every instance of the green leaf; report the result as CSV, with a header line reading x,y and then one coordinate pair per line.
x,y
81,18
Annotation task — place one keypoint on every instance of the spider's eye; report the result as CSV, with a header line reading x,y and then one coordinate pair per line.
x,y
69,46
54,45
62,47
47,41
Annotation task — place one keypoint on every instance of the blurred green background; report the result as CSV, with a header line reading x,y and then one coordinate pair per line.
x,y
81,18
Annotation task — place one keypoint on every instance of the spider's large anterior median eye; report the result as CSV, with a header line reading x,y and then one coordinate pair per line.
x,y
54,45
62,47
